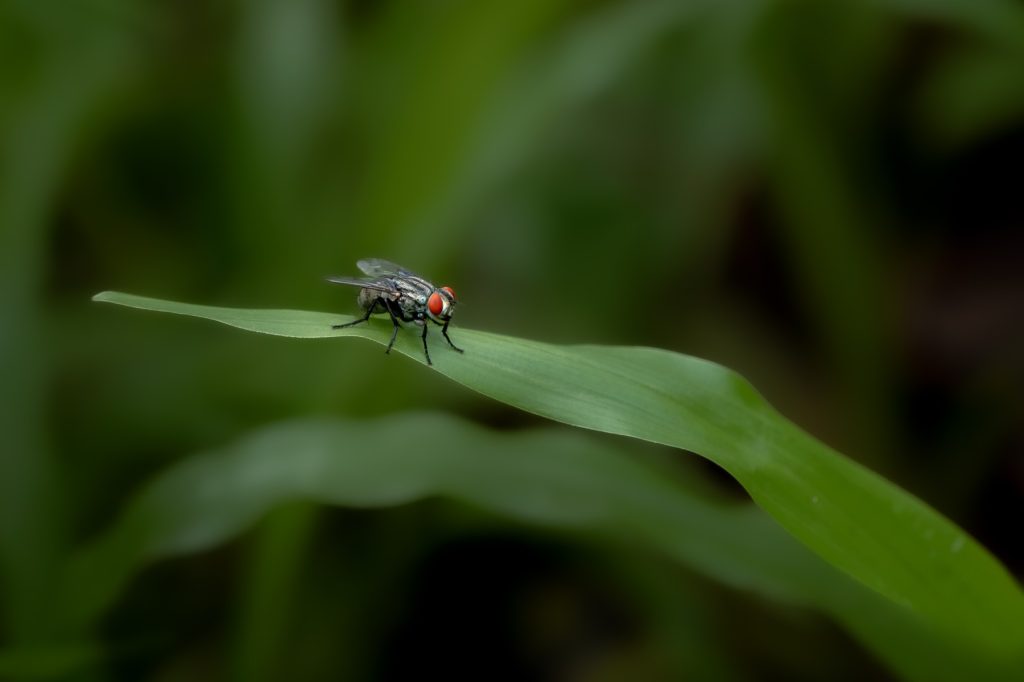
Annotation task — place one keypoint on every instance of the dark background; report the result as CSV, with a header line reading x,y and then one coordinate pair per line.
x,y
823,196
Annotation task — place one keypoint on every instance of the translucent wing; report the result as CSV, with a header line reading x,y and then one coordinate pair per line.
x,y
363,283
378,267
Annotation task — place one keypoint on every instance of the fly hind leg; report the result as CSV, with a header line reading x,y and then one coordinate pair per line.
x,y
369,311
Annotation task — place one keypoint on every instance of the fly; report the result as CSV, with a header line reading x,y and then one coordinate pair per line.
x,y
403,295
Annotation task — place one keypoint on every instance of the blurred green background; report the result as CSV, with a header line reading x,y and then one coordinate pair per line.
x,y
824,196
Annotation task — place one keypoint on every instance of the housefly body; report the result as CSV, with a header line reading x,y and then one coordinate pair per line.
x,y
403,295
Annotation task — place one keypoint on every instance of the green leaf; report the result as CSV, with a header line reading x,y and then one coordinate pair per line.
x,y
854,519
558,478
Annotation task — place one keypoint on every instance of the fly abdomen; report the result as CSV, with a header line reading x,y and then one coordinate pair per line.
x,y
367,297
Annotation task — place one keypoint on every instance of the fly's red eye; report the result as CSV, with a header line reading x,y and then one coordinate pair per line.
x,y
449,292
435,304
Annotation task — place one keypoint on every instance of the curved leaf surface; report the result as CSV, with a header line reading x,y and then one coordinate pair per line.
x,y
859,522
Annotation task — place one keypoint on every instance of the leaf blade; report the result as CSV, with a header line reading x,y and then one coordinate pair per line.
x,y
864,525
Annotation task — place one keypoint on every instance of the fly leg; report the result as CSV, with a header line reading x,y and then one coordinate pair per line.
x,y
444,330
369,312
395,312
394,334
424,337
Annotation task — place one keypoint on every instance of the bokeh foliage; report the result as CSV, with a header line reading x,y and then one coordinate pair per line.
x,y
817,194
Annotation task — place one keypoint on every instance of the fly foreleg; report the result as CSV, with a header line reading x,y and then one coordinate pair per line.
x,y
444,331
